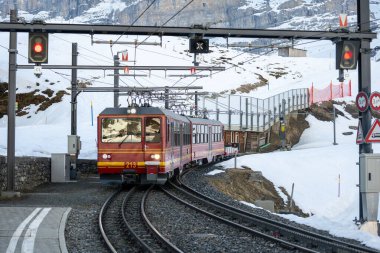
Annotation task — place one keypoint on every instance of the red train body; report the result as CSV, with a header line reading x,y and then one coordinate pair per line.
x,y
148,145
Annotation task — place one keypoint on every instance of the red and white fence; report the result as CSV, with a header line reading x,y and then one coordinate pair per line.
x,y
330,92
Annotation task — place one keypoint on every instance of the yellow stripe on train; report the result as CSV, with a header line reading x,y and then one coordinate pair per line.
x,y
122,164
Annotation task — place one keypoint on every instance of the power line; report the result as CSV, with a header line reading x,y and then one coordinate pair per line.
x,y
134,21
166,22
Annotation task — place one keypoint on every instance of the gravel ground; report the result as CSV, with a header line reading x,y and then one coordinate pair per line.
x,y
197,180
192,231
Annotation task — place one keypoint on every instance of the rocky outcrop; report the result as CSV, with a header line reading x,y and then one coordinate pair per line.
x,y
221,13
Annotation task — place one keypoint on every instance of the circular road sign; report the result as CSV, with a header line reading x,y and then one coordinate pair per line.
x,y
374,101
362,101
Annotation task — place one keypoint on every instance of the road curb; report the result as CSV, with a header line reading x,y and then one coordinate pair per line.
x,y
61,232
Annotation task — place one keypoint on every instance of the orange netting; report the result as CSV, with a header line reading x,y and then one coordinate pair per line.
x,y
330,92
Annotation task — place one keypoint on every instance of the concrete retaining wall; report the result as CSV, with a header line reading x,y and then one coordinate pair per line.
x,y
33,171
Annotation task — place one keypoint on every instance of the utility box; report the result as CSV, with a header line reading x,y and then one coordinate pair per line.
x,y
60,168
73,144
369,171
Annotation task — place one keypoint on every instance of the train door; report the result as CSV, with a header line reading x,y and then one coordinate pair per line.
x,y
153,146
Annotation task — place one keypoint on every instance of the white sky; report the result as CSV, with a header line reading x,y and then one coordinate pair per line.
x,y
313,165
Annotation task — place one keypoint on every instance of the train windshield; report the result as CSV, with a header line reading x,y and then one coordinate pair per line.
x,y
152,130
119,130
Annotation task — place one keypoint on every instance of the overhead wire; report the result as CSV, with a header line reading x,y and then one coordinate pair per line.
x,y
271,45
172,17
141,14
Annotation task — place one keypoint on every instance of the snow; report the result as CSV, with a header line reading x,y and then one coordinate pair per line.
x,y
313,165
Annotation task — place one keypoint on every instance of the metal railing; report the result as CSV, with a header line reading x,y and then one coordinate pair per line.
x,y
238,112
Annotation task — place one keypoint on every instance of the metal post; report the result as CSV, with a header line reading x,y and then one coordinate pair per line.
x,y
217,108
264,115
204,106
251,114
269,119
240,114
229,112
236,159
364,76
74,94
246,113
274,113
167,98
291,199
334,114
283,107
196,103
241,120
11,146
116,81
258,122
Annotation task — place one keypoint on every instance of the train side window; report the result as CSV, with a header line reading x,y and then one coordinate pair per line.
x,y
188,134
167,131
172,133
194,133
198,134
207,134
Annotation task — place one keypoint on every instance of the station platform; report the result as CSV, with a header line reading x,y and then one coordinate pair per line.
x,y
33,229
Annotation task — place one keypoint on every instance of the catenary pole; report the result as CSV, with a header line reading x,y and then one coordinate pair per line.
x,y
364,79
12,105
74,91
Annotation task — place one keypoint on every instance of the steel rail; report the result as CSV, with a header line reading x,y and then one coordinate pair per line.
x,y
171,247
130,229
100,221
247,229
146,248
284,227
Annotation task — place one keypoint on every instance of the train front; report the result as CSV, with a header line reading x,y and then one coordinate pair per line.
x,y
130,146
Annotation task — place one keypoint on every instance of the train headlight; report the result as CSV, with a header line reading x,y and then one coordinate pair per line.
x,y
133,111
155,156
106,156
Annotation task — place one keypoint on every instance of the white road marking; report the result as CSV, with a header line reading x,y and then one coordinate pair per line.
x,y
16,235
28,244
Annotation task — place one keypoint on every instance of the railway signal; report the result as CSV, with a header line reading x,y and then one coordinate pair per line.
x,y
38,48
199,46
347,53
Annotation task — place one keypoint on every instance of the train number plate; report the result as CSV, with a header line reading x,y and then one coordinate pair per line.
x,y
130,165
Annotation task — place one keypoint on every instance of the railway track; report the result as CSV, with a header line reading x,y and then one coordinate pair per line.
x,y
123,214
285,235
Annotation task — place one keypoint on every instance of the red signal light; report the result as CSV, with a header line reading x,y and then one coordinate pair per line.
x,y
347,55
38,48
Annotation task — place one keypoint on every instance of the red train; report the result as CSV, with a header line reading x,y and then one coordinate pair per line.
x,y
148,145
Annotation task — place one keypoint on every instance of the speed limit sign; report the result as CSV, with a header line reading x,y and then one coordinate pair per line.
x,y
374,101
362,101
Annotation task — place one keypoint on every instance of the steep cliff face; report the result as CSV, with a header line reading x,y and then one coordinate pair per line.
x,y
215,13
